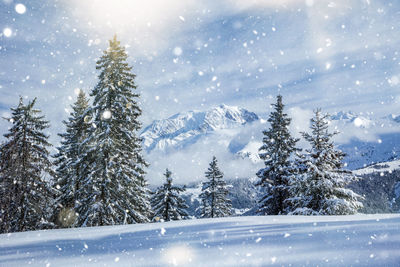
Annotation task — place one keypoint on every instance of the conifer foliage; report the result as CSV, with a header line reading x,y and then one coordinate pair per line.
x,y
69,171
115,190
276,152
214,195
167,204
319,189
24,165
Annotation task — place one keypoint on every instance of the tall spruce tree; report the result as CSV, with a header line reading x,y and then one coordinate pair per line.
x,y
24,166
276,152
214,195
115,190
69,171
320,188
167,204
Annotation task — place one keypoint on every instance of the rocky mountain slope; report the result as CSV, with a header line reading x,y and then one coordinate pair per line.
x,y
184,129
228,123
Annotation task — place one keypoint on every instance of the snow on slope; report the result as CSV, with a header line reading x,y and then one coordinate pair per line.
x,y
365,138
383,167
186,128
359,240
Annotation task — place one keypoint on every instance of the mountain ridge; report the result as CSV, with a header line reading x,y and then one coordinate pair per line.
x,y
186,128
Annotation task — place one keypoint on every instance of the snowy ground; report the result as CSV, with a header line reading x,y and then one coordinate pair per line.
x,y
361,240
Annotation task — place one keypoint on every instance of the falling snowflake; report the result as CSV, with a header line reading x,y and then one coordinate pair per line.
x,y
106,114
177,51
20,8
7,32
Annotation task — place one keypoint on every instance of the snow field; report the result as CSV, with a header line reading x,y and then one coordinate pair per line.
x,y
355,240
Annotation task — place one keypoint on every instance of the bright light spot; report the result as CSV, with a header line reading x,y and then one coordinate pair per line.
x,y
177,51
273,259
380,141
214,78
77,91
328,65
286,235
319,50
328,42
258,240
178,255
358,122
182,18
7,32
20,8
201,73
86,119
106,114
394,80
309,2
116,259
273,29
157,98
43,81
163,231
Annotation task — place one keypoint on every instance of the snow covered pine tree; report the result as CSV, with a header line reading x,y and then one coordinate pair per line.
x,y
69,175
276,151
214,195
167,204
24,165
320,188
115,190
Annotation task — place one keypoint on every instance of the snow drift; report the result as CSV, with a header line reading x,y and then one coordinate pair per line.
x,y
357,240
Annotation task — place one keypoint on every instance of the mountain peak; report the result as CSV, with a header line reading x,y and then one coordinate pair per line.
x,y
186,128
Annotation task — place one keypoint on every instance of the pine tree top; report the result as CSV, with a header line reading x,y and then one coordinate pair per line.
x,y
213,171
24,116
322,149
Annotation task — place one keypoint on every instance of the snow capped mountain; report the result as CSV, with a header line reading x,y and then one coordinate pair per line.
x,y
370,139
186,128
357,120
395,118
234,134
251,151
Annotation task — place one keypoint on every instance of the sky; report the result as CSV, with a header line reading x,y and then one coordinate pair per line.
x,y
340,55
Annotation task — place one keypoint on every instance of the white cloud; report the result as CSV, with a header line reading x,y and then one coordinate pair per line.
x,y
148,25
189,164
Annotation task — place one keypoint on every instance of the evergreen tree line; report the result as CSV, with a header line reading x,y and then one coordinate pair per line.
x,y
309,183
98,175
